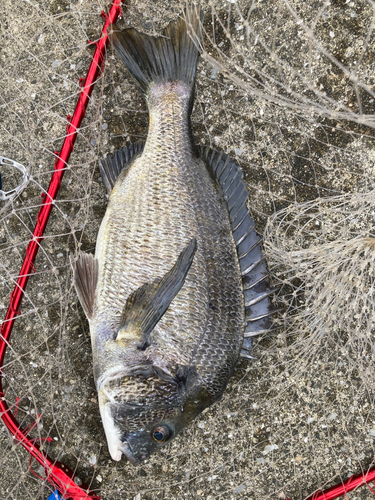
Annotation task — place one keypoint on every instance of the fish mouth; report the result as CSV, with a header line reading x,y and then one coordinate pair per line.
x,y
116,446
125,449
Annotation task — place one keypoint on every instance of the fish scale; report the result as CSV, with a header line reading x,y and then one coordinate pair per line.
x,y
162,201
164,294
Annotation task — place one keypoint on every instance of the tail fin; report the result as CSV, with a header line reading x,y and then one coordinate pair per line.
x,y
169,57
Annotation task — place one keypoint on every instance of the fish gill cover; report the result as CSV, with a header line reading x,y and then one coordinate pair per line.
x,y
287,89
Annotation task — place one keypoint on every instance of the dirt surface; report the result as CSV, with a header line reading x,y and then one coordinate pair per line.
x,y
283,428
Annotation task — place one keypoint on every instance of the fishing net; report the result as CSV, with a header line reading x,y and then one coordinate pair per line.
x,y
287,89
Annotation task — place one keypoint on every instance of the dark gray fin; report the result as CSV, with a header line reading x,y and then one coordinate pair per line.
x,y
169,57
246,349
85,279
111,166
145,307
253,267
260,323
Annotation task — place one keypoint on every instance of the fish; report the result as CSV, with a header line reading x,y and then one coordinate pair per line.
x,y
178,285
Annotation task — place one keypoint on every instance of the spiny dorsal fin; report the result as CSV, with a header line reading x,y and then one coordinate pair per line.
x,y
85,278
145,306
253,267
112,166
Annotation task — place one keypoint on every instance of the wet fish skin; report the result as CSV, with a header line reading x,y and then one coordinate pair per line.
x,y
163,199
202,330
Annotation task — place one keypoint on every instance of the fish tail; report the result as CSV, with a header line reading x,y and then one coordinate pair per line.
x,y
167,58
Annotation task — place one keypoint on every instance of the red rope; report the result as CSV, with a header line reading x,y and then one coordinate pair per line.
x,y
57,473
342,489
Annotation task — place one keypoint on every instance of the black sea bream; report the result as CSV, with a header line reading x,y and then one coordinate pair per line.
x,y
178,279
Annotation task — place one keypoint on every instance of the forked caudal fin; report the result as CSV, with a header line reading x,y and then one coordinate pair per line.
x,y
167,58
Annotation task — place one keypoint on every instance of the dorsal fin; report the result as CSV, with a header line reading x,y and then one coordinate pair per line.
x,y
254,271
111,166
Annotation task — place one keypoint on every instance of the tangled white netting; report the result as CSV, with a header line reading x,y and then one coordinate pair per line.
x,y
323,256
285,87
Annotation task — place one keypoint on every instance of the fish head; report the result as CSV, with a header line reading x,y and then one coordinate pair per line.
x,y
141,415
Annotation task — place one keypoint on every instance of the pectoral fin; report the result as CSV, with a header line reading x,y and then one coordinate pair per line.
x,y
145,307
85,278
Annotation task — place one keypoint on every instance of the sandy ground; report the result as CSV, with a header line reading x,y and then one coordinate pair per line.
x,y
281,430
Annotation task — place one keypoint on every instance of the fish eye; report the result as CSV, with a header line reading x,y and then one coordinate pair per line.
x,y
161,434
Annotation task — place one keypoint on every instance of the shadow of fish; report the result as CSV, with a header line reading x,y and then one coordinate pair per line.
x,y
178,285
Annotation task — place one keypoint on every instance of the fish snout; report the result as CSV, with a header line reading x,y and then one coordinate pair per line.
x,y
125,449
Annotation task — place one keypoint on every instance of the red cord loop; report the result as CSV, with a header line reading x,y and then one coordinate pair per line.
x,y
13,296
68,119
29,260
57,159
60,476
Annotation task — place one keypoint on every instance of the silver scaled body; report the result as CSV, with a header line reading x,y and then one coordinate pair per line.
x,y
164,199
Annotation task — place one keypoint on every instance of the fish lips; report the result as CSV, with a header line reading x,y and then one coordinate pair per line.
x,y
125,449
116,445
140,445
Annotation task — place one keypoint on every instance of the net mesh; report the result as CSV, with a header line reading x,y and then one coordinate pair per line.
x,y
285,87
